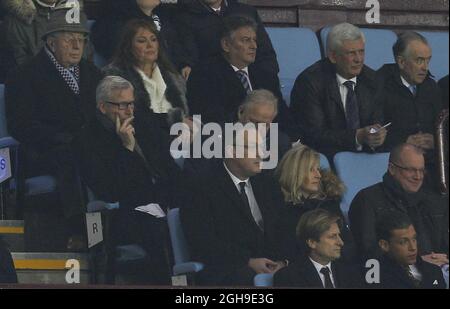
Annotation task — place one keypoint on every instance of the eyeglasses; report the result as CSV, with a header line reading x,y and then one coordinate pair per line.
x,y
72,39
410,170
122,105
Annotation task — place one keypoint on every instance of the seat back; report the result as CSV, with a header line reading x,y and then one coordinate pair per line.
x,y
177,238
379,44
263,280
359,171
293,57
438,42
324,163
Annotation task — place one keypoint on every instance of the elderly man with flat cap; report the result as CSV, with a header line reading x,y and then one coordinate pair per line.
x,y
48,100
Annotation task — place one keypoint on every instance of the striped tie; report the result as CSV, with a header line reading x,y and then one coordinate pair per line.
x,y
242,75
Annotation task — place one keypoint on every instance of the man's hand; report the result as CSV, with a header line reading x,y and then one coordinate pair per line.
x,y
373,140
422,140
264,266
185,72
125,131
438,259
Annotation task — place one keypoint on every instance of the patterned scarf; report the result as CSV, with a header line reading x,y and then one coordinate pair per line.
x,y
70,75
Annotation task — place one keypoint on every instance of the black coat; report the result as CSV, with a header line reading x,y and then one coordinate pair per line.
x,y
221,231
290,216
303,274
317,111
443,84
393,276
409,115
428,212
7,271
106,32
42,111
215,91
114,173
200,29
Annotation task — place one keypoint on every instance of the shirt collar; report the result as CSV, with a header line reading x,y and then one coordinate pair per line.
x,y
236,180
342,80
319,266
45,5
236,69
404,82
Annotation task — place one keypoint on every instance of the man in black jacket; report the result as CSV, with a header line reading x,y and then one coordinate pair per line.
x,y
217,88
400,267
127,160
200,22
48,100
332,102
231,224
319,233
401,190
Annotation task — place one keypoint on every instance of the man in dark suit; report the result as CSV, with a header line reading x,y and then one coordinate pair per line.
x,y
127,160
200,24
318,231
48,100
231,223
218,87
402,190
400,267
443,84
332,102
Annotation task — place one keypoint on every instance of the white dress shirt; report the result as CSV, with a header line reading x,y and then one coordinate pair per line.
x,y
322,277
156,89
254,208
246,75
415,272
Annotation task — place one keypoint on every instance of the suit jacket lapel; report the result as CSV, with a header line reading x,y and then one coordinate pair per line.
x,y
311,275
333,89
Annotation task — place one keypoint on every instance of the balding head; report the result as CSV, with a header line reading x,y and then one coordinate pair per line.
x,y
407,167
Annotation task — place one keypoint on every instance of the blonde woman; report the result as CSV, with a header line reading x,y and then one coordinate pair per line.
x,y
306,187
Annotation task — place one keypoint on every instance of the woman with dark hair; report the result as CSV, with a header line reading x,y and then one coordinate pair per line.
x,y
116,13
306,187
160,92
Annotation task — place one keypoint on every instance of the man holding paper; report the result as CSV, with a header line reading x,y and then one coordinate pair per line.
x,y
124,158
333,101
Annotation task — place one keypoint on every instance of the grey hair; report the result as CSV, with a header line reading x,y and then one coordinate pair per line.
x,y
400,47
340,33
108,85
259,97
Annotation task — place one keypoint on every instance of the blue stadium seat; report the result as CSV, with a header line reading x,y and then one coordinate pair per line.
x,y
263,280
297,49
324,163
379,44
439,44
183,264
359,171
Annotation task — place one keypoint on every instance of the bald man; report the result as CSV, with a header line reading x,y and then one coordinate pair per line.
x,y
402,190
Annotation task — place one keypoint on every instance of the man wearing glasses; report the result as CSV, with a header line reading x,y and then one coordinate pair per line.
x,y
125,159
402,190
48,100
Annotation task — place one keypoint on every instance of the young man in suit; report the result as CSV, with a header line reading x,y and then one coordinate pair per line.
x,y
400,267
333,101
318,230
231,223
216,89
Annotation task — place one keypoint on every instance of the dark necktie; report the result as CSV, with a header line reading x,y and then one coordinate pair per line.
x,y
242,75
351,107
256,213
328,283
